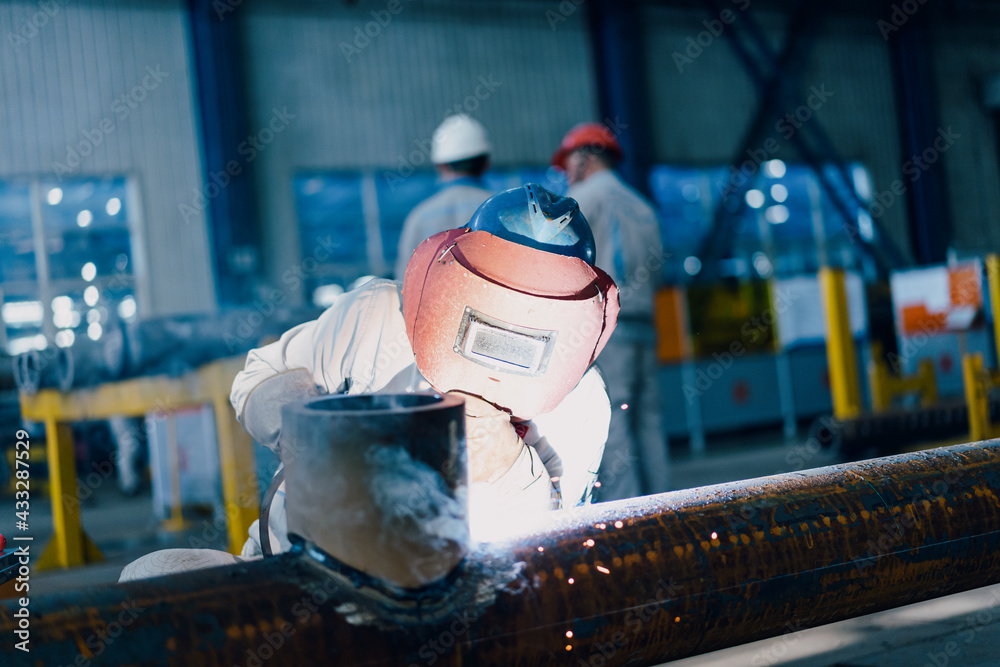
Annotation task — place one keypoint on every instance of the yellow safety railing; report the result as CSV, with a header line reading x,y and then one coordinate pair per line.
x,y
137,397
886,386
979,382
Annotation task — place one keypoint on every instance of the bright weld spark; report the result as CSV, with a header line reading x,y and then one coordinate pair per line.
x,y
601,568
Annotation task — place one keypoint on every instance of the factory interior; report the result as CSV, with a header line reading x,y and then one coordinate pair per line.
x,y
233,434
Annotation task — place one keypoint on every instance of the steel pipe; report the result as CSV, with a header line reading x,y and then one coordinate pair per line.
x,y
379,482
634,582
896,429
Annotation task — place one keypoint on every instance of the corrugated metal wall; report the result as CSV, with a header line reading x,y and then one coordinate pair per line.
x,y
372,101
964,56
64,76
372,107
702,109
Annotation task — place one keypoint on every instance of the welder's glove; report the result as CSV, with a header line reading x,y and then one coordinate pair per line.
x,y
492,441
504,473
261,415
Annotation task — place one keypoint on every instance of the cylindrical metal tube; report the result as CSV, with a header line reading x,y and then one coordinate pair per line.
x,y
633,582
379,482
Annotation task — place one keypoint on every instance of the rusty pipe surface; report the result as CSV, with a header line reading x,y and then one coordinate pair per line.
x,y
635,582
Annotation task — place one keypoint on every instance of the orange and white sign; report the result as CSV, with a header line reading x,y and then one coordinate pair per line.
x,y
938,299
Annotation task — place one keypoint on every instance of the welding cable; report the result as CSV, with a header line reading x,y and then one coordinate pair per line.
x,y
265,512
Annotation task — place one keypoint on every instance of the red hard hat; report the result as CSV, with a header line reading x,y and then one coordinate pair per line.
x,y
587,134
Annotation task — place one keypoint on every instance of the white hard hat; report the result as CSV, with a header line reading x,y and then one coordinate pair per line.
x,y
459,137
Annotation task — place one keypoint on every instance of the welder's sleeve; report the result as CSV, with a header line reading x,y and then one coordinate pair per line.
x,y
274,375
570,439
525,487
359,338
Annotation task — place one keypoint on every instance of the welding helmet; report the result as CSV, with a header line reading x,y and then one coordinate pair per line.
x,y
510,307
587,135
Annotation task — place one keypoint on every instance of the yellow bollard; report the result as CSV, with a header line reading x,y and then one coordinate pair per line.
x,y
878,380
975,397
993,281
840,354
927,383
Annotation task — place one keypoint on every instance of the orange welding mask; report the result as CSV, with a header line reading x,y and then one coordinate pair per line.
x,y
510,307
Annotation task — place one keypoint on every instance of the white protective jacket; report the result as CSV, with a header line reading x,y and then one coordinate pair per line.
x,y
359,345
449,208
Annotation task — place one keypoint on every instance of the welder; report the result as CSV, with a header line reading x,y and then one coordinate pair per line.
x,y
509,312
627,233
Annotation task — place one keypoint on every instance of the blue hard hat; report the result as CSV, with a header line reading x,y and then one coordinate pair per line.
x,y
532,216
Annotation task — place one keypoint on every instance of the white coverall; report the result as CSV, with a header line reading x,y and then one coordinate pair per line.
x,y
627,236
449,208
359,345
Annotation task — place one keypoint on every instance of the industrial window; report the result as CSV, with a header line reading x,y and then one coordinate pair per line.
x,y
782,217
66,260
350,221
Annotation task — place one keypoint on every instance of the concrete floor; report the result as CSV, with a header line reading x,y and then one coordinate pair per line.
x,y
960,629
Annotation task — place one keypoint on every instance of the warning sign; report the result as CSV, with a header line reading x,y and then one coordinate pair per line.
x,y
939,298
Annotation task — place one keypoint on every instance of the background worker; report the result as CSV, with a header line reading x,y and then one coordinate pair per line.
x,y
627,235
537,411
460,151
